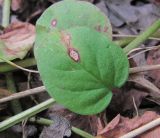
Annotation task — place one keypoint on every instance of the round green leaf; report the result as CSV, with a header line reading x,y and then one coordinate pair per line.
x,y
79,67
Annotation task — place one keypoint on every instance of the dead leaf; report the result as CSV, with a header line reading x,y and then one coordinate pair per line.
x,y
86,123
121,125
129,18
141,81
60,128
17,40
123,100
152,59
16,4
4,93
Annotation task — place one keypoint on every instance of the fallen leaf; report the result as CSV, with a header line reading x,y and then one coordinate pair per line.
x,y
153,58
122,100
16,4
141,81
3,93
121,125
17,40
86,123
60,128
129,18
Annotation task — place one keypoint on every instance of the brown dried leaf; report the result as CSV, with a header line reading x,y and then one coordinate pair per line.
x,y
121,125
140,80
17,40
1,2
60,128
123,100
153,59
4,93
16,4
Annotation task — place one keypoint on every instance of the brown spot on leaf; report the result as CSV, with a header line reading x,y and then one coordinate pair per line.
x,y
54,22
98,28
66,39
105,29
73,54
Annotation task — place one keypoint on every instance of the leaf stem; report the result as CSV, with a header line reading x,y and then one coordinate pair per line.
x,y
23,63
34,110
141,38
17,66
26,114
6,13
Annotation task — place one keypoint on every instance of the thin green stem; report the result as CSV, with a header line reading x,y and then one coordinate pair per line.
x,y
82,133
123,42
15,104
33,111
44,121
136,42
19,67
23,63
26,114
6,13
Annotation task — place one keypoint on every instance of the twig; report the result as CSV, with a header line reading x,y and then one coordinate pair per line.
x,y
142,129
22,94
135,106
144,68
141,38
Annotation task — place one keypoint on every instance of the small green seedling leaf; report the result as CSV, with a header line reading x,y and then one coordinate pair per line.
x,y
79,67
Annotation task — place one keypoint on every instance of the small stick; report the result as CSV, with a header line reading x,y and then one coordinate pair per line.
x,y
144,68
22,94
142,129
135,106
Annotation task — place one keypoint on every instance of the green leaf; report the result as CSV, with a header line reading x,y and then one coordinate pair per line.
x,y
70,13
79,67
